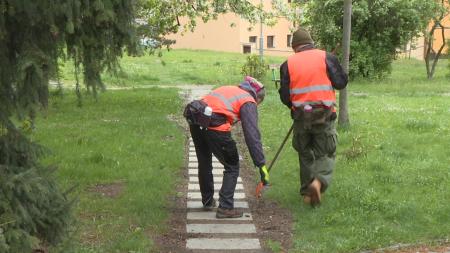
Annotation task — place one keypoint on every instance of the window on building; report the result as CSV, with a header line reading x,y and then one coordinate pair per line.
x,y
270,41
246,49
252,39
289,40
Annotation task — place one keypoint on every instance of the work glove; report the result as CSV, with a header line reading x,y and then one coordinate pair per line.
x,y
264,172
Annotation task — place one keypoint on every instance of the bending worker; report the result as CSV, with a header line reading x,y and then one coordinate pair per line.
x,y
308,80
229,104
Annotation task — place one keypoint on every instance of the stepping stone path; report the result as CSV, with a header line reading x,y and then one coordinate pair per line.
x,y
206,233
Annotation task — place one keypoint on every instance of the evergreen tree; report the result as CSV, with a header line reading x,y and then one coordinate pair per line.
x,y
33,36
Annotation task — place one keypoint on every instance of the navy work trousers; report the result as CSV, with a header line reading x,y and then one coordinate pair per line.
x,y
222,145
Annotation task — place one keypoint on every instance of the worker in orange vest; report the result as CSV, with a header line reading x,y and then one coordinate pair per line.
x,y
308,80
211,134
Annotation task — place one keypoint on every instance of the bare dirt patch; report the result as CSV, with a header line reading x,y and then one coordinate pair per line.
x,y
174,238
420,249
440,246
110,190
272,222
90,234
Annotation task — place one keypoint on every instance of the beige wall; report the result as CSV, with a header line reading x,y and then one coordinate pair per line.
x,y
230,33
419,53
414,49
437,42
279,31
221,35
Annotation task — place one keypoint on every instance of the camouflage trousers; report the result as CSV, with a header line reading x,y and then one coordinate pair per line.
x,y
316,147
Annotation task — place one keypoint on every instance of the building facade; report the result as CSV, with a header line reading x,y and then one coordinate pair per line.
x,y
231,33
418,47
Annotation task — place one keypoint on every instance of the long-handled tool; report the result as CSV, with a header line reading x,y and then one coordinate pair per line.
x,y
261,187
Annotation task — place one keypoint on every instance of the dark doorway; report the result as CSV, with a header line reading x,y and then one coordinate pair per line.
x,y
246,49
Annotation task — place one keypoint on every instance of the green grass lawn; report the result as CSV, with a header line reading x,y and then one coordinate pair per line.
x,y
175,67
392,179
391,183
126,139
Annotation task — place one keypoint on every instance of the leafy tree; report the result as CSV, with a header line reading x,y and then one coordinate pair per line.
x,y
442,11
160,18
379,27
33,36
344,119
448,54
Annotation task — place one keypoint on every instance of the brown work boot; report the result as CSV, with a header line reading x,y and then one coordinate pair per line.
x,y
210,206
307,200
314,192
228,213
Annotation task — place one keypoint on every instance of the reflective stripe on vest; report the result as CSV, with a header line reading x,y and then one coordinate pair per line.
x,y
323,102
309,82
227,100
311,89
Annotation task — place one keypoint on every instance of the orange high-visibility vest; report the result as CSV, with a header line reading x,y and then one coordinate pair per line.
x,y
227,100
309,82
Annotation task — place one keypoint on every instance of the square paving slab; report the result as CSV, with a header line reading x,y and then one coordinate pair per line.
x,y
221,228
197,195
223,244
212,216
192,204
217,179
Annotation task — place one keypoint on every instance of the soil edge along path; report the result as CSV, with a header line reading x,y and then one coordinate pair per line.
x,y
190,229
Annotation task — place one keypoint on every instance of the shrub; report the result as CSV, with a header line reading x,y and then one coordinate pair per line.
x,y
33,210
254,67
448,55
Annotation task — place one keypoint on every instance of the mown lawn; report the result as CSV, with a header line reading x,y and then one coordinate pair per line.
x,y
175,67
392,178
123,155
391,183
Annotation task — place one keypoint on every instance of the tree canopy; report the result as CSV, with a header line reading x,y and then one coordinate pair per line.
x,y
437,27
160,18
379,28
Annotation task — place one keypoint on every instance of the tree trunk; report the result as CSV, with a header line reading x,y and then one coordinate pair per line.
x,y
438,54
429,43
344,119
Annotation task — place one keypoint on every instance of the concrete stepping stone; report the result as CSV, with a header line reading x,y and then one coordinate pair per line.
x,y
192,187
194,159
198,204
217,179
212,216
221,228
214,172
206,233
222,244
197,195
216,165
